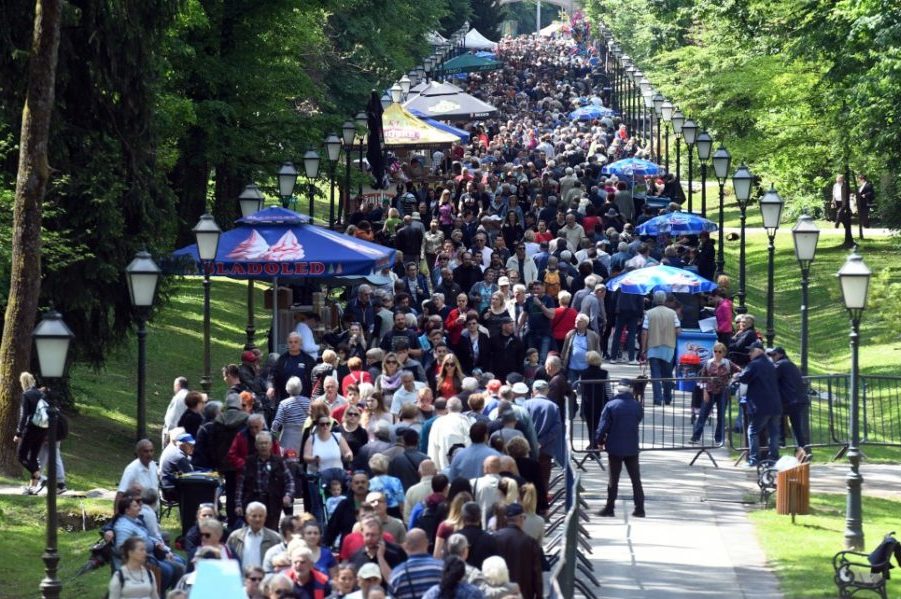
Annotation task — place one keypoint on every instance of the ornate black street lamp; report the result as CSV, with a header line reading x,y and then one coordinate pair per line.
x,y
666,113
52,339
348,133
311,161
678,120
251,201
333,152
658,112
690,133
771,205
721,162
805,235
742,180
854,277
705,144
287,179
362,122
207,234
143,276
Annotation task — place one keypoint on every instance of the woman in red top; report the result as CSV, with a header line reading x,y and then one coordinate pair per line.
x,y
543,235
357,375
449,380
590,221
564,319
456,320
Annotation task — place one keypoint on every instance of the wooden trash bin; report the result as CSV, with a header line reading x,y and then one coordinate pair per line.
x,y
793,490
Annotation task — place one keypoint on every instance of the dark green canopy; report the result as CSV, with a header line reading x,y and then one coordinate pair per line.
x,y
469,63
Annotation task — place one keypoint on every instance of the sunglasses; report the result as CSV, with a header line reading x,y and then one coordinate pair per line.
x,y
718,351
323,423
255,578
206,535
354,414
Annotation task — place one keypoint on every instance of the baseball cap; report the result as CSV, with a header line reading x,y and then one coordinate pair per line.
x,y
186,438
248,356
756,345
514,509
369,570
776,350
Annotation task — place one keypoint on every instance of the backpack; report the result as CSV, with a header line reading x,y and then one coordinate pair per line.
x,y
41,416
552,282
429,520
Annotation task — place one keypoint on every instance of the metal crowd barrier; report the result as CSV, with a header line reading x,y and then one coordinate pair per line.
x,y
881,413
665,427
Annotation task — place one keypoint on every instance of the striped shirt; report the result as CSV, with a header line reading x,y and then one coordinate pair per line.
x,y
293,410
411,579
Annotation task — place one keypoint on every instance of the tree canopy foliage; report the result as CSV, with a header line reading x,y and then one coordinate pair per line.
x,y
800,89
166,110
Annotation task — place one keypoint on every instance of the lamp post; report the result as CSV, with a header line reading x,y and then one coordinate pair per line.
x,y
854,277
51,339
311,161
771,205
251,201
658,112
741,183
348,133
666,113
207,233
690,133
396,91
405,83
705,144
287,178
362,122
678,120
805,235
143,275
649,112
721,162
333,152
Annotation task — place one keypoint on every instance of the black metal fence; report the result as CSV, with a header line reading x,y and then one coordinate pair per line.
x,y
671,426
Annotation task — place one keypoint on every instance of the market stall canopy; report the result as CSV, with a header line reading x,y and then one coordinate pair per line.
x,y
461,133
590,112
676,223
477,41
469,63
551,29
417,89
643,281
279,243
486,54
404,130
633,167
434,38
447,102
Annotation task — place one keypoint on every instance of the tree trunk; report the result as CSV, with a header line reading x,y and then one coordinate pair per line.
x,y
31,183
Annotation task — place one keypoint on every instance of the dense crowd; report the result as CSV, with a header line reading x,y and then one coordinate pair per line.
x,y
421,432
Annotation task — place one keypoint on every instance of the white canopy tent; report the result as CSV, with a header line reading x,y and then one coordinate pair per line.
x,y
434,38
550,29
477,41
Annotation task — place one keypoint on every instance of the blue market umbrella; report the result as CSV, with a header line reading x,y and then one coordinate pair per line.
x,y
276,242
676,223
633,167
643,281
590,112
462,134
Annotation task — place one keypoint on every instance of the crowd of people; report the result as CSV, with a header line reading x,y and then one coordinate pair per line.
x,y
408,452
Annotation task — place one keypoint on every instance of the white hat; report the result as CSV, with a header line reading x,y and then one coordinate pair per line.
x,y
416,216
503,281
369,570
520,389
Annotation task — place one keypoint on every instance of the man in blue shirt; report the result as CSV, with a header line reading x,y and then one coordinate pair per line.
x,y
467,462
421,571
793,394
539,310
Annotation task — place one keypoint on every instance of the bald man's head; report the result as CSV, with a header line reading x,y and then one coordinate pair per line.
x,y
508,464
416,542
427,468
492,465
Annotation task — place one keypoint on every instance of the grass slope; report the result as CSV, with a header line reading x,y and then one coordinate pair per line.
x,y
802,552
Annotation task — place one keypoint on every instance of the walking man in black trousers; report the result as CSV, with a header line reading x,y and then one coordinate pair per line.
x,y
618,434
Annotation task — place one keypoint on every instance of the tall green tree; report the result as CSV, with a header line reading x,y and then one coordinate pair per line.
x,y
487,17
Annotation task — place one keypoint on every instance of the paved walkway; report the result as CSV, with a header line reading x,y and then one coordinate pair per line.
x,y
697,540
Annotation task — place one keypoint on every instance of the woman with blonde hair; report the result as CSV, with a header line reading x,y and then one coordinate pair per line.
x,y
508,492
356,376
533,525
449,380
389,381
452,523
373,409
31,429
718,370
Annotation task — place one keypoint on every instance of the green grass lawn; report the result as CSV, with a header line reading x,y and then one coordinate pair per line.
x,y
802,552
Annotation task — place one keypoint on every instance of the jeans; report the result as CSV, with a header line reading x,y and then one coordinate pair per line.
x,y
615,463
573,375
799,416
770,423
629,322
171,570
719,401
540,341
60,468
663,390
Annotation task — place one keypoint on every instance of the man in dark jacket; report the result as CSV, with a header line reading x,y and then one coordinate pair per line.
x,y
266,479
225,427
294,362
482,544
793,394
522,553
408,241
342,521
618,434
764,404
507,352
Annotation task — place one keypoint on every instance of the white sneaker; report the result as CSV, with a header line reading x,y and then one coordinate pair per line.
x,y
633,362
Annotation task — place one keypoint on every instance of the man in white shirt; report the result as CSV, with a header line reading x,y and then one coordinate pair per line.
x,y
177,407
408,392
447,431
141,472
307,340
253,541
